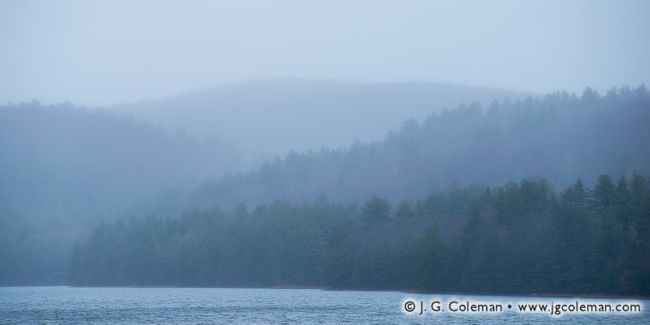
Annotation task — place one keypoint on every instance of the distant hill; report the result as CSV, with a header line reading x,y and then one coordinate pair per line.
x,y
561,137
271,117
64,169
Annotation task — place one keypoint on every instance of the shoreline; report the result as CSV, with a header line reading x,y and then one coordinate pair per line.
x,y
535,295
562,295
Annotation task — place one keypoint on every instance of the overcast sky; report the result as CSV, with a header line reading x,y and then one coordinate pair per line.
x,y
106,52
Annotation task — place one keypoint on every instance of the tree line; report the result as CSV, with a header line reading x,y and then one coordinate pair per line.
x,y
64,168
561,137
517,238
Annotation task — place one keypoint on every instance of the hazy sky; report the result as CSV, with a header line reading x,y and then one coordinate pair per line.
x,y
105,52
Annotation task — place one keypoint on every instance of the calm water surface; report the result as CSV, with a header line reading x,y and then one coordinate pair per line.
x,y
68,305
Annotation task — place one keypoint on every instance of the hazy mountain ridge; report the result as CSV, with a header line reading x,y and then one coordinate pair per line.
x,y
561,137
271,117
65,169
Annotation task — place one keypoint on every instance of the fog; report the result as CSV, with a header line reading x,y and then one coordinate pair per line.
x,y
109,52
411,145
270,118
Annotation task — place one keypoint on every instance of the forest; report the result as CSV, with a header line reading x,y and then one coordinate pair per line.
x,y
64,168
517,238
560,137
325,161
94,198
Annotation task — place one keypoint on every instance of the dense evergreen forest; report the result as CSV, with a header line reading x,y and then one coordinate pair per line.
x,y
267,118
63,169
517,238
560,137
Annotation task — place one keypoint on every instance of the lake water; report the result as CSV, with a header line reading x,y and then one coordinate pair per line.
x,y
69,305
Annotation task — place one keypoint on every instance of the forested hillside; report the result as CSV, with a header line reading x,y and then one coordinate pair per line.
x,y
267,118
65,169
560,137
517,238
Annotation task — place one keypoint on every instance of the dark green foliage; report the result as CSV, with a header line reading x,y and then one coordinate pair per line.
x,y
517,238
404,210
560,137
376,209
64,169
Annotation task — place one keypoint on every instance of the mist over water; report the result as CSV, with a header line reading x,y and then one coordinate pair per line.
x,y
496,148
